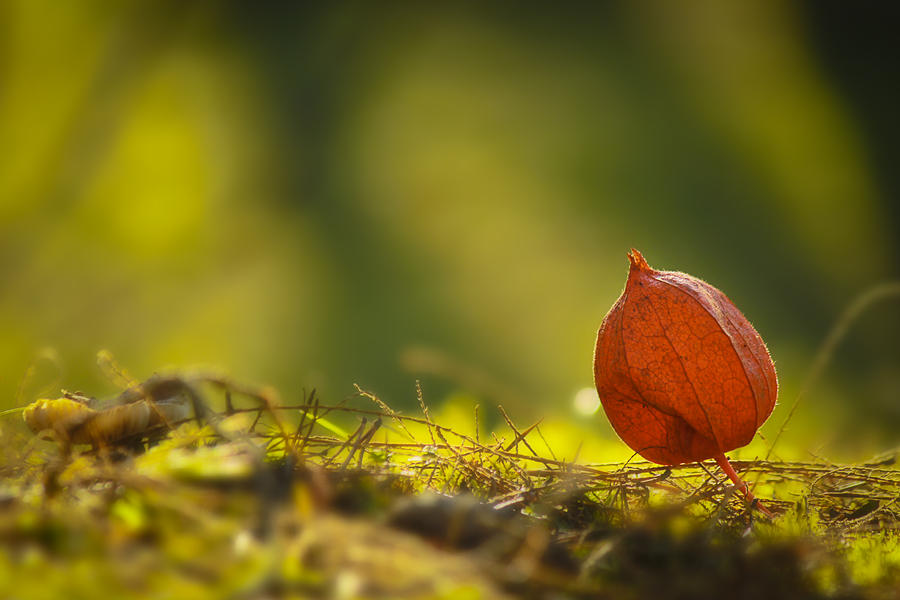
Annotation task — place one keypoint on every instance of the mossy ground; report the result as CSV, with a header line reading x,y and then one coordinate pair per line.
x,y
271,501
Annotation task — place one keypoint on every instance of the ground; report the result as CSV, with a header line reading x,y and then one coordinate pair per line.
x,y
249,498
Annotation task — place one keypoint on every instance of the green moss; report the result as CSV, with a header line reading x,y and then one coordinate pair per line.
x,y
410,507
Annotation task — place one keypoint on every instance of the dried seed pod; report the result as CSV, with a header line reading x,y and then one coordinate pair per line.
x,y
157,402
681,373
61,415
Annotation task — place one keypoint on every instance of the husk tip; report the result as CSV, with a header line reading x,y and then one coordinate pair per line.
x,y
637,260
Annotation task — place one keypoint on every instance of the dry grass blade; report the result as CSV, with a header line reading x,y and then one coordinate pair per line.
x,y
387,409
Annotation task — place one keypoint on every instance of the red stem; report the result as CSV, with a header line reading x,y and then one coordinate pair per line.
x,y
740,484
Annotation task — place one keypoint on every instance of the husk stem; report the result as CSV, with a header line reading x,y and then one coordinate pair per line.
x,y
754,502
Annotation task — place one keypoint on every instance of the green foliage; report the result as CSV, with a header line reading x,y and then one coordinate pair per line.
x,y
319,195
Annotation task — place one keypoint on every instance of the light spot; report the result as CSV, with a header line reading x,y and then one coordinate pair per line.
x,y
586,401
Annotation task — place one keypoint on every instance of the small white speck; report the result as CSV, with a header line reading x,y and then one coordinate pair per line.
x,y
586,401
244,543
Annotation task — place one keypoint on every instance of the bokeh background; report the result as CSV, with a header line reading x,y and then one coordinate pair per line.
x,y
375,193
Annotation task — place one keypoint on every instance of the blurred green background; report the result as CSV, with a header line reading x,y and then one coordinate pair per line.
x,y
376,193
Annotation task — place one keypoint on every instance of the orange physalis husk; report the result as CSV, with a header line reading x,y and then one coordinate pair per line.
x,y
683,376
